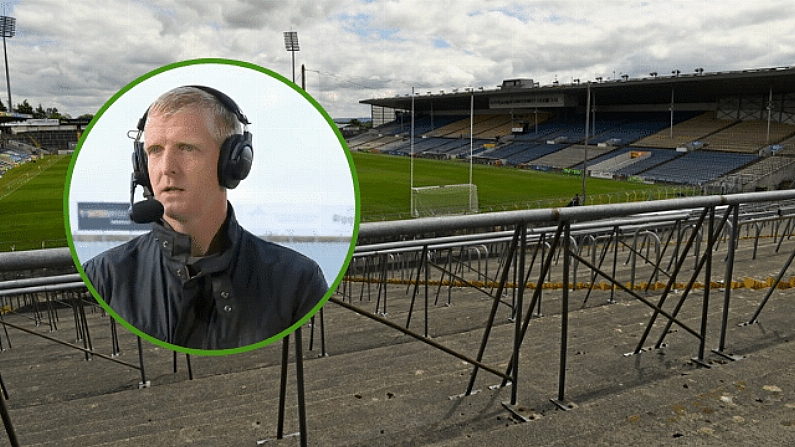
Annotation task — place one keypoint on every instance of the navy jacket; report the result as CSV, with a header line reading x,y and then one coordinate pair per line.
x,y
250,291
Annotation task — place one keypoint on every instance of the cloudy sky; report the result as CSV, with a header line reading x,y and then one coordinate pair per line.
x,y
75,54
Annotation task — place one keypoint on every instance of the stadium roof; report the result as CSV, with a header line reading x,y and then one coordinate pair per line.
x,y
697,88
7,117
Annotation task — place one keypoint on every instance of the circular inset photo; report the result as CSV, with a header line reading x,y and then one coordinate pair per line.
x,y
212,206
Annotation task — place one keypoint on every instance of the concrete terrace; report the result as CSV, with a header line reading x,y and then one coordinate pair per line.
x,y
379,387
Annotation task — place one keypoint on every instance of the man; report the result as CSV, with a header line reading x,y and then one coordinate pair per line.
x,y
198,279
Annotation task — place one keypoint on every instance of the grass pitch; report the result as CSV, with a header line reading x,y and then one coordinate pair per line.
x,y
384,185
31,196
31,205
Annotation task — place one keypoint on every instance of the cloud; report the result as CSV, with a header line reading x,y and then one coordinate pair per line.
x,y
75,55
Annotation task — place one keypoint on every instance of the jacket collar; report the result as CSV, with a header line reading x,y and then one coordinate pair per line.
x,y
176,247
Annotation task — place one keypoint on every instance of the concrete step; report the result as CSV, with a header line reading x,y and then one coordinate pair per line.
x,y
380,387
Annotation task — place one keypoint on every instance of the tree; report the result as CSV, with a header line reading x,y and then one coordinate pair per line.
x,y
3,107
25,107
39,112
52,113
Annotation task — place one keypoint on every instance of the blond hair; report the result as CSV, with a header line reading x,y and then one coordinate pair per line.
x,y
223,122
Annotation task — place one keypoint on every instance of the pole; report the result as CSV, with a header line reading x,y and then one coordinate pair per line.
x,y
585,155
411,175
769,113
9,426
293,54
8,79
672,113
471,140
303,77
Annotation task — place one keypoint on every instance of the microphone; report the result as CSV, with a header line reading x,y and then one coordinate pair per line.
x,y
147,211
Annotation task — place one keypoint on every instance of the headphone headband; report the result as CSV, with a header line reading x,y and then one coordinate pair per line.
x,y
222,97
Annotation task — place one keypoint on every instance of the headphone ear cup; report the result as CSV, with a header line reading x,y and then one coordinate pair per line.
x,y
235,160
140,165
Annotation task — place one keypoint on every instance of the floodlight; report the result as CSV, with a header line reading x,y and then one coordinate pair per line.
x,y
291,45
291,41
8,29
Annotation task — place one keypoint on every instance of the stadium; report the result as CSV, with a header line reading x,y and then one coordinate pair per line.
x,y
664,322
722,132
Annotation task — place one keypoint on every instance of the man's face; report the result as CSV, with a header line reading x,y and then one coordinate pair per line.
x,y
183,164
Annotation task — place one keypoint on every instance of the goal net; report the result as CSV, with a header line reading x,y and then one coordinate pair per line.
x,y
444,200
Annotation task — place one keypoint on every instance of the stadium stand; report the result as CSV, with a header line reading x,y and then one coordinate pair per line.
x,y
461,148
422,124
748,136
768,172
623,129
460,127
656,158
439,148
571,156
361,139
699,167
503,126
693,129
559,130
420,145
50,140
533,153
519,153
379,143
614,160
674,121
786,147
506,151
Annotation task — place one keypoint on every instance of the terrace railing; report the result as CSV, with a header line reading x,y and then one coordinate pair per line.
x,y
665,235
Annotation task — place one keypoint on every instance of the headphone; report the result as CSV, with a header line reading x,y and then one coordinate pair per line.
x,y
234,161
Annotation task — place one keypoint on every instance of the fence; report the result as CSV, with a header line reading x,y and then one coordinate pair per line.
x,y
660,240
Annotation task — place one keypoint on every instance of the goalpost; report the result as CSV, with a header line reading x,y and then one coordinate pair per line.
x,y
444,200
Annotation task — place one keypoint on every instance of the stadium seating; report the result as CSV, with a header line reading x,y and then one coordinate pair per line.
x,y
626,129
787,146
50,140
533,153
766,165
609,162
540,133
699,167
570,156
501,126
423,124
508,150
554,143
361,140
461,126
461,148
658,157
693,129
748,136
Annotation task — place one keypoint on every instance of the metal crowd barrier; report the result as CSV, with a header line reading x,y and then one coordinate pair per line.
x,y
72,284
667,235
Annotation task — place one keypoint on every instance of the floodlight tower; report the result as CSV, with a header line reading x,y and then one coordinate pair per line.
x,y
8,29
291,45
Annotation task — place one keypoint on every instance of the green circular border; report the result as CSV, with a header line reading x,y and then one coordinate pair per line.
x,y
332,288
